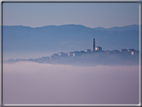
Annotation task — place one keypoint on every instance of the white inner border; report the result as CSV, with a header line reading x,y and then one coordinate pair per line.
x,y
140,26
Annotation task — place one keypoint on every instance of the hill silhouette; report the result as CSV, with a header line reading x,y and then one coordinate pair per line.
x,y
68,37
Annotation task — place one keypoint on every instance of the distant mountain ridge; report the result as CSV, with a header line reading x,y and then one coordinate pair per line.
x,y
128,27
68,37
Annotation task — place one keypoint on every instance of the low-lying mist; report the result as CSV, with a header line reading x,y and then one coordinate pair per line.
x,y
34,83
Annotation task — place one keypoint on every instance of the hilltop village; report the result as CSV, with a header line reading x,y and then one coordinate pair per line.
x,y
95,50
90,58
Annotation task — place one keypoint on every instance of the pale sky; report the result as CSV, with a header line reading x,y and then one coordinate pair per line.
x,y
88,14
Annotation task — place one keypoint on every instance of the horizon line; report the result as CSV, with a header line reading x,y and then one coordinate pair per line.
x,y
73,24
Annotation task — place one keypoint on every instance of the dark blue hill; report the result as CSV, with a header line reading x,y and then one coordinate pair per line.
x,y
68,38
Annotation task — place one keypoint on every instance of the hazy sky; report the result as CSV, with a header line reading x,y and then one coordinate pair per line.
x,y
89,14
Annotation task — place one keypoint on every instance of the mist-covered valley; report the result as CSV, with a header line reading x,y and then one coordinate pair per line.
x,y
34,83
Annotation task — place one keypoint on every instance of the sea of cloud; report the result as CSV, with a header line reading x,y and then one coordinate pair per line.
x,y
33,83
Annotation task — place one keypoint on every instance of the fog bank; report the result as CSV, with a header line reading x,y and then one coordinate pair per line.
x,y
33,83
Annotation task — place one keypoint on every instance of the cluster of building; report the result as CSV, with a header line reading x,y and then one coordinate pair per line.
x,y
97,49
